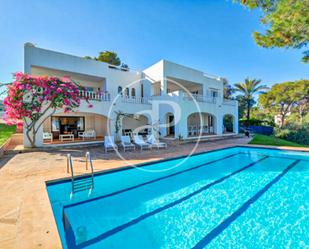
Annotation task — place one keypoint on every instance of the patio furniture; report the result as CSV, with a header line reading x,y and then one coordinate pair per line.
x,y
66,137
155,143
141,143
205,129
192,130
48,135
126,143
109,143
89,134
195,130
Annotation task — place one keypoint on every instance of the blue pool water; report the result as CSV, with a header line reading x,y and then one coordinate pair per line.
x,y
232,198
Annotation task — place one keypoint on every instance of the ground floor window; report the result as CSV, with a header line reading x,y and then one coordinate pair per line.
x,y
67,125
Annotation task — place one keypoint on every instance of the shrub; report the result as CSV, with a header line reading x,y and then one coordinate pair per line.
x,y
256,122
294,133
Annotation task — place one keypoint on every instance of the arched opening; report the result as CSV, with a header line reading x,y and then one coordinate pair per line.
x,y
120,90
135,125
170,124
133,92
201,124
228,123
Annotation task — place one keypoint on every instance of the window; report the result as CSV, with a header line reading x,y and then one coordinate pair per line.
x,y
55,125
127,92
142,90
214,93
120,90
133,92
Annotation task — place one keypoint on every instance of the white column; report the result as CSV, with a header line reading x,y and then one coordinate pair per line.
x,y
236,120
163,86
181,128
219,124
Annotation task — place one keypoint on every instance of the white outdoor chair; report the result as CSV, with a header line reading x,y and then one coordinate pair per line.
x,y
155,143
126,143
48,135
89,134
205,129
109,143
194,130
141,143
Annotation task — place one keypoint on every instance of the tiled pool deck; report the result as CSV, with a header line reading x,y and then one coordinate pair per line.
x,y
26,218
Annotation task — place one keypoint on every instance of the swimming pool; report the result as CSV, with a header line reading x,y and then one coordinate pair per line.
x,y
239,197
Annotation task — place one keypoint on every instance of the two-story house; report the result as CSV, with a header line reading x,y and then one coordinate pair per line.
x,y
167,98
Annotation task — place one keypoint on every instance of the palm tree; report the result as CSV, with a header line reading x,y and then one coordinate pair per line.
x,y
247,90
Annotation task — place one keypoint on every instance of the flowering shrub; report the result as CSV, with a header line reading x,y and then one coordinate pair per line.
x,y
32,99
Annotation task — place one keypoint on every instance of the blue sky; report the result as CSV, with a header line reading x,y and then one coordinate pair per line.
x,y
214,36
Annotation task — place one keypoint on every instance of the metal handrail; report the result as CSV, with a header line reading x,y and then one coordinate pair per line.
x,y
70,167
88,157
69,164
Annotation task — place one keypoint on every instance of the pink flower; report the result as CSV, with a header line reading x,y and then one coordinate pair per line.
x,y
43,88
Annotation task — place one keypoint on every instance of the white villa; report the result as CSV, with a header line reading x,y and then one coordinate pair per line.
x,y
167,98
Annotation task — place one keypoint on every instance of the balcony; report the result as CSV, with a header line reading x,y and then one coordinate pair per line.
x,y
91,95
229,102
135,100
200,98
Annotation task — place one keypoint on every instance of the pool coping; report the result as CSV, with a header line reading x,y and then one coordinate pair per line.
x,y
145,164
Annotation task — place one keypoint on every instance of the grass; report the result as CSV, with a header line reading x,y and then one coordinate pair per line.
x,y
5,132
271,140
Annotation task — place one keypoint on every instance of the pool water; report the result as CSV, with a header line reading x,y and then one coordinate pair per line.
x,y
232,198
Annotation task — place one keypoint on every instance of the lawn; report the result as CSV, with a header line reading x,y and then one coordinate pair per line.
x,y
271,140
6,132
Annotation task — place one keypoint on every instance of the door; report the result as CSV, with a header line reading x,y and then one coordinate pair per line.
x,y
171,128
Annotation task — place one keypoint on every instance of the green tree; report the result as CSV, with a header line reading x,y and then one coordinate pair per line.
x,y
227,89
109,57
247,91
286,22
285,98
302,95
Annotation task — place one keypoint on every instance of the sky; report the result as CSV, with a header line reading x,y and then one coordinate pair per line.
x,y
214,36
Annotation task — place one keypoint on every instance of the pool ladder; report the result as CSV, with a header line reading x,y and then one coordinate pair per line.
x,y
81,183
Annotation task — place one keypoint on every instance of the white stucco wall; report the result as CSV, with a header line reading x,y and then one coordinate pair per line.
x,y
98,74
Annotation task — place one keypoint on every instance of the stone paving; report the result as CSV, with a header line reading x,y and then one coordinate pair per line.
x,y
26,218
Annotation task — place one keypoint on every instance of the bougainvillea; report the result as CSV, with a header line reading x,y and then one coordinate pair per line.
x,y
32,99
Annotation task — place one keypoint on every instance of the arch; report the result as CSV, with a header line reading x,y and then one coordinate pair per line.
x,y
120,90
228,123
170,124
201,124
133,92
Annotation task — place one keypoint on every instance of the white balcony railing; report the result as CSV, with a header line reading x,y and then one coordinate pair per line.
x,y
91,95
229,102
200,98
134,100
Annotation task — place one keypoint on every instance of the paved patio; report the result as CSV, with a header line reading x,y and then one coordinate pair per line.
x,y
26,218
